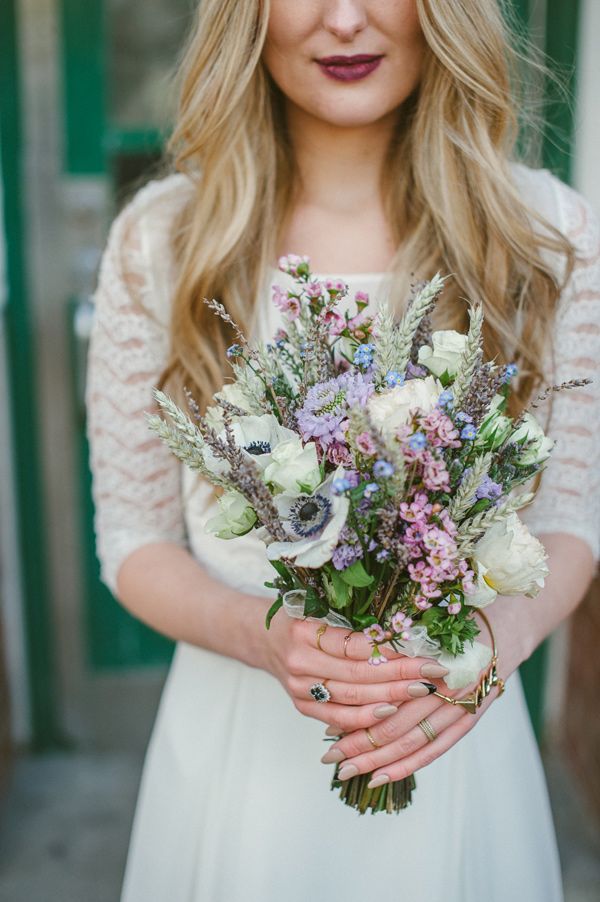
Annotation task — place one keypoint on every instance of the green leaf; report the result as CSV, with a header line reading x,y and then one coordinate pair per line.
x,y
361,622
342,592
283,572
278,603
356,575
313,605
480,505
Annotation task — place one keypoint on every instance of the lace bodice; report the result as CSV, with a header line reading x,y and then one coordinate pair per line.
x,y
137,484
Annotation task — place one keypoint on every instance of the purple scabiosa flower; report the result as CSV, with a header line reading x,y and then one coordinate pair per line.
x,y
326,407
489,489
414,371
468,432
383,469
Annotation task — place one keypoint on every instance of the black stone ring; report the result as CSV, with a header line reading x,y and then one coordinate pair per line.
x,y
320,692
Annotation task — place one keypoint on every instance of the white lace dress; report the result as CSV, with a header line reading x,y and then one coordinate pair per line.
x,y
234,804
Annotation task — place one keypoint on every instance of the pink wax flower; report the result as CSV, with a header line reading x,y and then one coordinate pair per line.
x,y
454,608
360,325
288,304
336,287
435,474
314,290
335,323
421,603
338,454
401,622
294,264
365,444
375,633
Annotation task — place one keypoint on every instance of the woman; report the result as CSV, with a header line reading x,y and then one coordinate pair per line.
x,y
376,137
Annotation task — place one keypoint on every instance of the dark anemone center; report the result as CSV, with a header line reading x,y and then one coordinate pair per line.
x,y
309,516
258,448
308,511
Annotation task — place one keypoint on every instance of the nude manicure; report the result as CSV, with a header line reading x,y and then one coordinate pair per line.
x,y
384,711
333,756
378,781
434,670
350,770
333,731
418,690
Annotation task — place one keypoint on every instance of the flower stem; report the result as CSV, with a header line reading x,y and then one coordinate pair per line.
x,y
391,797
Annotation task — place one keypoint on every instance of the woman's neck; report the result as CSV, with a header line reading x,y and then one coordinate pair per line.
x,y
340,168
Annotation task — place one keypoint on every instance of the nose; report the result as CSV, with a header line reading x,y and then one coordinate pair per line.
x,y
345,18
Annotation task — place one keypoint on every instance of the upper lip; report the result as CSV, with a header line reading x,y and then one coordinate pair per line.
x,y
349,60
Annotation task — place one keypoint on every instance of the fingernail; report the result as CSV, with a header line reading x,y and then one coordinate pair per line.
x,y
333,731
378,781
333,756
350,770
418,690
384,711
434,670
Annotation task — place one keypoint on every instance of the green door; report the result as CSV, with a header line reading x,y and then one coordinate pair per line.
x,y
116,60
116,57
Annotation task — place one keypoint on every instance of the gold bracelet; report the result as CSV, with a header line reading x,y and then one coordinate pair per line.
x,y
490,678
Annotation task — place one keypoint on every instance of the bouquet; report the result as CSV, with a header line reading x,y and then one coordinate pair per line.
x,y
377,462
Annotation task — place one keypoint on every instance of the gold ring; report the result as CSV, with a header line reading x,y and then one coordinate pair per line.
x,y
320,632
346,640
371,740
427,729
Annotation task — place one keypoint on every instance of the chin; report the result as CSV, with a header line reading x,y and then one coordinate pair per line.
x,y
350,114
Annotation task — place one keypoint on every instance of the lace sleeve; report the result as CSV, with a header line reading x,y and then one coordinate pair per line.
x,y
136,480
569,497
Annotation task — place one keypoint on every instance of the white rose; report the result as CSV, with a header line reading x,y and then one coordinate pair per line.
x,y
483,594
495,427
539,445
447,350
236,517
390,409
234,394
465,669
313,523
512,561
293,468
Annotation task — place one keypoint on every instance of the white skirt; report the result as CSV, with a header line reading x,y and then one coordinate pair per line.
x,y
235,806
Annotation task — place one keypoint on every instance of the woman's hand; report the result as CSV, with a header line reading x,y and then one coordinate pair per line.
x,y
361,694
404,747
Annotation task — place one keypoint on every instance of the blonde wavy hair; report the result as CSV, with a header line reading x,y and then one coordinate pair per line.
x,y
447,184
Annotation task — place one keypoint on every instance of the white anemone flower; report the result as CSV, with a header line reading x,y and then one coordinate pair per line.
x,y
258,436
313,523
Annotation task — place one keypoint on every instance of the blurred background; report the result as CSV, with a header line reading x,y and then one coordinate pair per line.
x,y
84,110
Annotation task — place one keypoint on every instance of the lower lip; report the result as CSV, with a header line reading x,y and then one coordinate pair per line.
x,y
350,71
